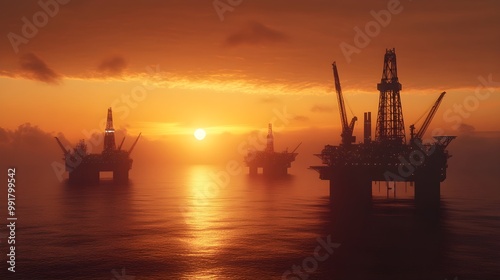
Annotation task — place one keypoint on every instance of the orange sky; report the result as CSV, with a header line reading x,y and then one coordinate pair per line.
x,y
168,67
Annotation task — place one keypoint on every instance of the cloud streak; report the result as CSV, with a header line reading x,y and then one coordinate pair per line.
x,y
300,118
36,69
466,128
112,66
255,33
268,100
321,109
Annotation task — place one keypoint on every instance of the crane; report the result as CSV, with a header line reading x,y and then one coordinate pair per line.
x,y
66,152
427,120
120,147
133,145
296,147
347,129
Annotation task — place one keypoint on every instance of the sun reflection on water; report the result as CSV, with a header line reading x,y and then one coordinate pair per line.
x,y
205,215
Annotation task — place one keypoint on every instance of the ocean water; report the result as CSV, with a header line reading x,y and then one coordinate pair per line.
x,y
200,222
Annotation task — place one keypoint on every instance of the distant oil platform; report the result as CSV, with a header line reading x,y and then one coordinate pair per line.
x,y
84,168
272,163
351,168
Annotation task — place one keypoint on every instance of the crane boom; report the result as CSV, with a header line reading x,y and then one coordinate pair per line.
x,y
429,117
62,146
340,98
120,147
133,145
351,125
347,129
296,147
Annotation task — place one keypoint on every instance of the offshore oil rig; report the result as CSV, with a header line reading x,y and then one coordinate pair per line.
x,y
351,168
84,168
272,163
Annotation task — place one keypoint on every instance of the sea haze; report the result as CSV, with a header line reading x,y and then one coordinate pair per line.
x,y
197,222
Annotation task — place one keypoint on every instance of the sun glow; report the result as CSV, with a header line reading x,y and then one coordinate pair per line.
x,y
200,134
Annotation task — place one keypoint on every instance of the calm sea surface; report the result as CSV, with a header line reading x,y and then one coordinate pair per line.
x,y
193,222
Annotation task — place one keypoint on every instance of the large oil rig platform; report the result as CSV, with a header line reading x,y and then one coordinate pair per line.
x,y
272,163
85,168
351,168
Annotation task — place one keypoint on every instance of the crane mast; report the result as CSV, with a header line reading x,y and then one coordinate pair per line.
x,y
347,129
427,120
133,145
66,152
296,147
270,139
351,126
109,133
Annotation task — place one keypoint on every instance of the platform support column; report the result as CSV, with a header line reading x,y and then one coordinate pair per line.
x,y
253,170
427,191
355,191
120,176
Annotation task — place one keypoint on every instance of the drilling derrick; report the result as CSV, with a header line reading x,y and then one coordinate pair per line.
x,y
351,168
84,168
390,124
273,164
270,139
109,133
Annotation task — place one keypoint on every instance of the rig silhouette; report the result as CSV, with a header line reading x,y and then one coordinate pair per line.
x,y
272,163
84,168
351,168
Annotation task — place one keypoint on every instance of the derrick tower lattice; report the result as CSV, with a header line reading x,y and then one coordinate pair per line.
x,y
390,123
109,133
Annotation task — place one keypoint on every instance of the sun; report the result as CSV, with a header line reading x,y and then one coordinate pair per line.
x,y
200,134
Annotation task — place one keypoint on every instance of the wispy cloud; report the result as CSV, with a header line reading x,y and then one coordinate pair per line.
x,y
255,33
466,128
240,83
113,66
165,128
300,118
321,109
34,68
268,100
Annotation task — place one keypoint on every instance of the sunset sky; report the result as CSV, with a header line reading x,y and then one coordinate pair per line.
x,y
169,67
